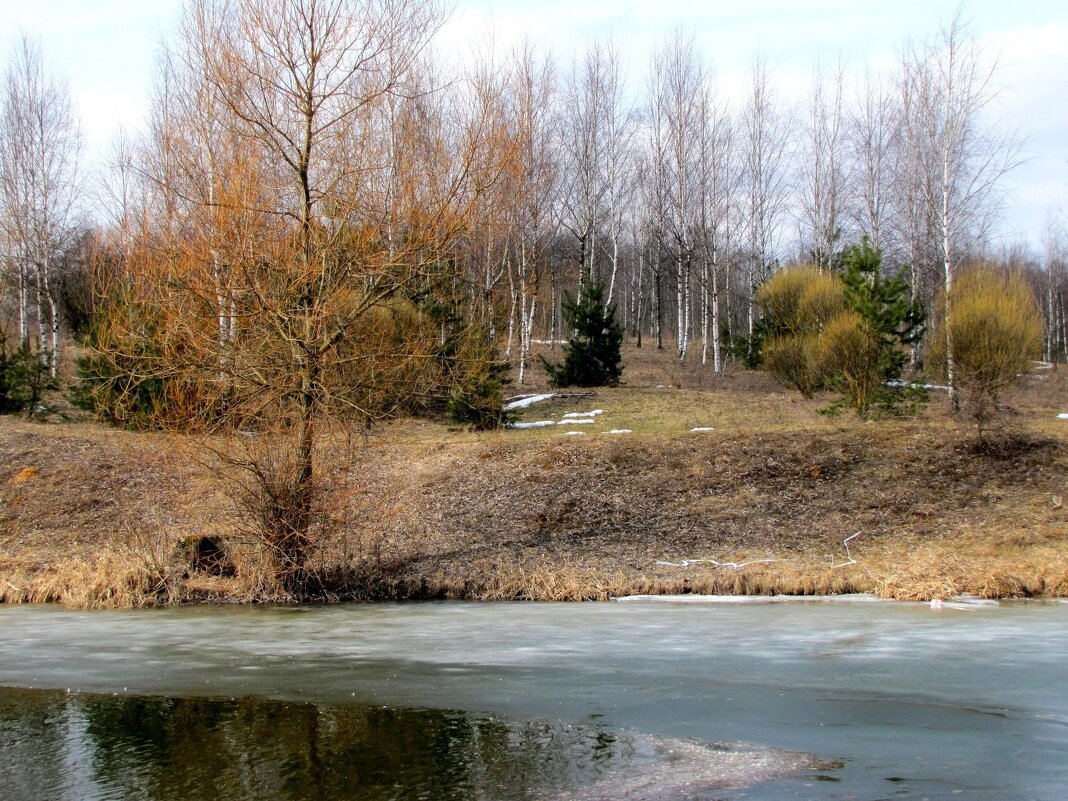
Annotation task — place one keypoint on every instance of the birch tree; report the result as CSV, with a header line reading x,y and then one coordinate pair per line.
x,y
1055,259
534,185
620,127
872,137
765,181
716,181
950,85
675,85
582,147
823,165
40,186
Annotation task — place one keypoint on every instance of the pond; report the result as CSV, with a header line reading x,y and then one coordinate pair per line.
x,y
756,701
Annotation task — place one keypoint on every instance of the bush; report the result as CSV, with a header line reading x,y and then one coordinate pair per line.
x,y
796,305
996,331
117,379
592,355
849,334
476,398
791,361
848,355
799,300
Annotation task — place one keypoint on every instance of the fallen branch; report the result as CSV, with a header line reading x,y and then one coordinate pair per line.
x,y
731,565
849,556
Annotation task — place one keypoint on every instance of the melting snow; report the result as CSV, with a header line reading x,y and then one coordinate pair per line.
x,y
528,400
536,424
1062,416
702,429
594,413
673,768
574,433
619,431
575,422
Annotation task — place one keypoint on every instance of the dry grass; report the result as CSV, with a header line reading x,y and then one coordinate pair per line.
x,y
92,516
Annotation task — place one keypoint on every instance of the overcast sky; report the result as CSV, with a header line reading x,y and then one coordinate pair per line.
x,y
107,51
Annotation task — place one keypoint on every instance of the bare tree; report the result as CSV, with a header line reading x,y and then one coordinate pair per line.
x,y
872,139
40,186
582,145
823,165
716,176
764,179
620,127
303,162
534,186
1055,258
675,85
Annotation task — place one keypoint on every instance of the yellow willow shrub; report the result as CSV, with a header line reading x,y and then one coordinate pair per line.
x,y
797,304
800,299
847,354
822,299
995,331
791,360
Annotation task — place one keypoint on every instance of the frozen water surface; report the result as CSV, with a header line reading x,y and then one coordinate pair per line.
x,y
620,700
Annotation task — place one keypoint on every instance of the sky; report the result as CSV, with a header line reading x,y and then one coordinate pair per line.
x,y
107,51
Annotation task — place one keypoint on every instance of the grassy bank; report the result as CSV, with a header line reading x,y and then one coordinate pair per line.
x,y
775,498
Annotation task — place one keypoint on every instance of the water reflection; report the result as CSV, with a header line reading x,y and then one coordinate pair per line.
x,y
55,745
87,747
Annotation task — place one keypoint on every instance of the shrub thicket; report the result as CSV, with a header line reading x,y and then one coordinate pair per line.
x,y
848,356
848,333
799,300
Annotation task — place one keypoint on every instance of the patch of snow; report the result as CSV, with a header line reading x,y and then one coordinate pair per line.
x,y
702,429
899,384
549,341
1062,416
524,401
660,386
573,422
574,433
535,424
1043,365
619,431
594,413
964,603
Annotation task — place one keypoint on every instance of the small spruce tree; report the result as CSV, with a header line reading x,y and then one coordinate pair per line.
x,y
591,357
23,378
889,323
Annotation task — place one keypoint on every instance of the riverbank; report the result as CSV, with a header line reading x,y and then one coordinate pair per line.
x,y
728,487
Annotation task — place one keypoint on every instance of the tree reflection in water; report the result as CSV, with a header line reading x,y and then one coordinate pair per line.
x,y
56,745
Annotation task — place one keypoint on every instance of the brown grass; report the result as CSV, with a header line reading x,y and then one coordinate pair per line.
x,y
424,511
